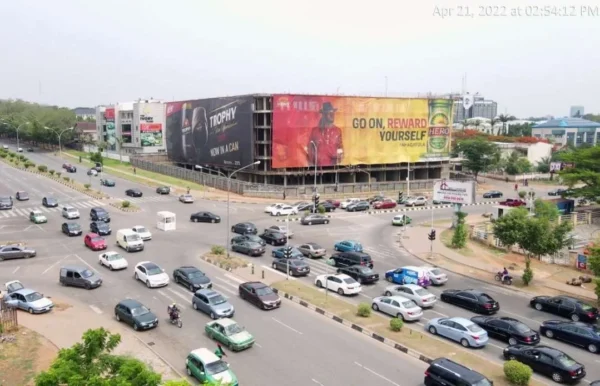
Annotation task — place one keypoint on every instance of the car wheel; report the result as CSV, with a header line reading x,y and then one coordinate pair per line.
x,y
194,306
538,306
188,371
309,223
432,330
340,291
388,293
326,221
233,230
117,317
87,286
360,280
575,318
592,348
212,221
195,220
213,316
556,377
290,272
30,310
111,268
389,278
512,341
192,287
127,248
549,334
464,342
1,258
274,266
319,284
135,276
400,316
135,326
148,284
335,248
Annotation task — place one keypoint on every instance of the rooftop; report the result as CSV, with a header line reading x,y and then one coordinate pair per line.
x,y
567,123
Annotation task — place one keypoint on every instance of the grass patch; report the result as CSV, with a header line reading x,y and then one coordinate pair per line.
x,y
228,263
446,238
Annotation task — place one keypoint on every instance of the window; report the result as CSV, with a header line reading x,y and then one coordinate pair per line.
x,y
69,274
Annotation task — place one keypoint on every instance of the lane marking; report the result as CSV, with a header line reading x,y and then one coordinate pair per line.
x,y
234,278
167,296
96,309
435,312
52,265
178,294
520,316
257,345
375,373
317,382
89,265
223,288
15,270
228,283
285,325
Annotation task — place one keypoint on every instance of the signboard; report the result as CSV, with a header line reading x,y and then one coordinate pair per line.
x,y
151,134
582,261
467,101
110,135
456,192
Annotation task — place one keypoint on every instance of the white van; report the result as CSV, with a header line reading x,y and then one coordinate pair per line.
x,y
344,204
129,240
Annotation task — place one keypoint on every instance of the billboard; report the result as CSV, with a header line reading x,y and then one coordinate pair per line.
x,y
110,135
216,131
151,134
456,192
331,130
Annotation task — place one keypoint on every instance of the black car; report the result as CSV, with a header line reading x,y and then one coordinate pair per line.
x,y
259,294
358,207
135,314
22,196
100,228
295,267
273,238
248,237
71,169
471,299
312,219
248,248
244,228
328,206
30,149
163,190
507,329
107,182
205,217
6,202
134,193
306,206
71,229
566,306
99,214
444,371
360,273
49,202
559,192
492,194
192,278
350,258
373,199
575,333
547,361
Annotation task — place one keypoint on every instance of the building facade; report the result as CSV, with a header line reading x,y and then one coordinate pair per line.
x,y
534,152
577,112
482,108
573,131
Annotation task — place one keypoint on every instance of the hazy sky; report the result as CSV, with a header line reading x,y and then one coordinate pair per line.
x,y
81,53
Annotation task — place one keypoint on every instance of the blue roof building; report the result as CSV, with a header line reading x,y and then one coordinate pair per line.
x,y
575,131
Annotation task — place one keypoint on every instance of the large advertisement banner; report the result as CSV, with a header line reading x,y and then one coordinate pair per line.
x,y
215,131
151,134
329,130
111,129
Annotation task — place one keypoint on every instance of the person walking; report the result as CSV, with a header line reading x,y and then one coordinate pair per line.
x,y
284,195
516,187
188,190
134,171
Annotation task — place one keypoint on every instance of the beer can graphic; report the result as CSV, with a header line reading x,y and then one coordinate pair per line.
x,y
440,120
187,140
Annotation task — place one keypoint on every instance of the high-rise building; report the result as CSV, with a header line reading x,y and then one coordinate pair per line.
x,y
577,112
482,108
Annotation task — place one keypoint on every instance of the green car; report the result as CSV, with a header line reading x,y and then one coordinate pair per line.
x,y
107,182
37,217
229,333
401,219
206,367
163,190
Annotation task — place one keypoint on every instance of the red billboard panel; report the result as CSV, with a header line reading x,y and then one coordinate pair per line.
x,y
109,114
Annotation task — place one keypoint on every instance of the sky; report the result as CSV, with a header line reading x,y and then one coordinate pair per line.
x,y
79,53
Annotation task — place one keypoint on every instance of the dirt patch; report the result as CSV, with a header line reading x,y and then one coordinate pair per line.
x,y
222,261
446,238
59,306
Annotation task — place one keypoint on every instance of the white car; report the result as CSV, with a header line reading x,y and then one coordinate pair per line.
x,y
398,307
344,204
70,212
112,260
270,208
416,201
151,274
413,292
186,198
143,232
436,275
283,210
284,230
20,150
340,283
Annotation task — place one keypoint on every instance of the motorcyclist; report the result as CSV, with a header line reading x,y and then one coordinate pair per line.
x,y
504,274
220,352
173,311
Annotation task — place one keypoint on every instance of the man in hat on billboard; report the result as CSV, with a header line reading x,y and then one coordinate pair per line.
x,y
328,139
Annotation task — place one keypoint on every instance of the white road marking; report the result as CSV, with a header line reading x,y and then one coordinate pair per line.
x,y
285,325
257,345
52,265
89,265
185,298
375,373
233,278
167,296
15,270
228,283
223,288
96,309
521,317
439,313
277,272
317,382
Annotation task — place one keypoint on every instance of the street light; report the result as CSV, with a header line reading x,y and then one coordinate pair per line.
x,y
316,150
408,181
210,170
287,233
228,191
19,128
59,134
368,174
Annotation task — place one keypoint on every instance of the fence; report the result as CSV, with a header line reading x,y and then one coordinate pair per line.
x,y
8,317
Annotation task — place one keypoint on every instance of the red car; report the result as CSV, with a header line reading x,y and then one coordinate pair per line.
x,y
513,202
335,203
385,204
94,242
66,166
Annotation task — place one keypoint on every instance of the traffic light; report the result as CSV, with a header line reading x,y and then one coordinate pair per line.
x,y
316,200
432,235
400,195
287,252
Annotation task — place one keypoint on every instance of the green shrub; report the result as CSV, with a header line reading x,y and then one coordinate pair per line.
x,y
22,158
527,273
87,186
217,250
522,194
58,174
517,373
321,209
125,204
67,179
43,168
11,155
31,164
3,155
396,324
51,171
363,310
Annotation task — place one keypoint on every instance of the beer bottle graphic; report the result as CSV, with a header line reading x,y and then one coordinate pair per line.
x,y
187,140
440,120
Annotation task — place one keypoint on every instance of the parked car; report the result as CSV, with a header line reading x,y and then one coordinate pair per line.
x,y
94,242
360,206
186,198
192,278
143,232
401,220
579,334
547,361
249,248
419,295
295,267
71,229
348,245
416,201
327,207
37,217
135,314
212,304
385,204
350,258
283,229
203,365
22,196
492,194
244,228
49,202
312,250
397,307
360,273
134,193
335,203
70,212
270,208
461,330
99,214
471,299
150,274
444,371
283,210
507,329
567,307
230,333
248,237
28,300
279,253
273,238
163,190
340,283
205,217
513,202
344,204
107,182
16,251
409,275
436,275
112,260
313,219
100,227
259,294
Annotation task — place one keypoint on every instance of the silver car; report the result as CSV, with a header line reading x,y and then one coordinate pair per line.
x,y
413,292
186,198
416,201
283,229
398,307
312,250
437,276
460,330
212,303
29,300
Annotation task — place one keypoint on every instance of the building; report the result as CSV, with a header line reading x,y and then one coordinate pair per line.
x,y
85,113
132,127
305,140
577,112
563,131
86,132
534,152
482,108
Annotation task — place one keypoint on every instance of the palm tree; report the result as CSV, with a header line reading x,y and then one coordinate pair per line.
x,y
465,124
120,143
493,122
505,118
477,123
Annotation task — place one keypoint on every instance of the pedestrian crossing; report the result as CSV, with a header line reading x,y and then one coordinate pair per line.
x,y
24,212
160,198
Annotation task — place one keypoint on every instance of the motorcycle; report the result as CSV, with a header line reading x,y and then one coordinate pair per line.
x,y
507,279
175,318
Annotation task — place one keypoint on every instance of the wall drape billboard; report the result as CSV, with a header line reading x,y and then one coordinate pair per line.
x,y
215,131
110,135
151,134
358,131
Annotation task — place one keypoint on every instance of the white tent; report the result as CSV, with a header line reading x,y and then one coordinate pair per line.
x,y
165,221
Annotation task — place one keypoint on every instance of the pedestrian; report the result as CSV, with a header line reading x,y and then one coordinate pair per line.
x,y
134,171
284,195
526,182
516,187
507,179
188,190
220,352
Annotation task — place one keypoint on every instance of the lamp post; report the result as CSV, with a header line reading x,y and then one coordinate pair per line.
x,y
228,191
408,181
59,134
210,170
368,174
287,260
19,128
316,150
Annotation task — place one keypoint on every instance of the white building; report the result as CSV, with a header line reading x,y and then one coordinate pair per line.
x,y
533,151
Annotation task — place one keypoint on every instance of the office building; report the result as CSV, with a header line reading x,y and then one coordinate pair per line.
x,y
482,108
563,131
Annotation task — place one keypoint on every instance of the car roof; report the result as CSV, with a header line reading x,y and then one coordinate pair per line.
x,y
188,268
92,234
255,284
97,208
74,267
225,322
342,276
547,350
130,303
458,369
148,264
411,286
398,298
463,321
71,223
24,291
12,245
205,355
68,207
36,211
207,292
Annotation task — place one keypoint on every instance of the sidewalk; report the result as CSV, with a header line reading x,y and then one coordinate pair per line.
x,y
547,277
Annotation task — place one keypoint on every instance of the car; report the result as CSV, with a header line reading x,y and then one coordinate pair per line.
x,y
471,299
360,206
401,220
134,193
28,300
283,229
66,165
37,217
416,201
143,232
461,330
579,334
163,190
112,260
49,202
507,329
20,150
547,361
6,202
203,365
295,267
513,202
100,227
205,217
385,204
94,242
558,192
98,167
107,182
70,212
99,214
283,210
73,169
444,371
340,283
360,273
492,194
327,207
417,294
259,294
228,332
273,238
397,307
192,278
350,258
186,198
436,276
150,274
22,196
135,314
212,304
311,219
279,253
300,204
270,208
307,206
71,229
92,172
348,245
16,251
249,248
248,237
312,250
376,198
344,204
5,147
335,203
79,276
408,275
13,285
567,307
244,228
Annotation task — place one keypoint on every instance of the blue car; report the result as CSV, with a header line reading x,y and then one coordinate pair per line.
x,y
278,253
409,275
348,246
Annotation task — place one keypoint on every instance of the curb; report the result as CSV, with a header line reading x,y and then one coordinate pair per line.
x,y
296,219
128,210
417,208
221,266
169,365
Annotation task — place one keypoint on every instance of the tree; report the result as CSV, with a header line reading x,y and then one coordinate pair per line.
x,y
505,118
476,124
465,124
586,171
459,238
516,164
120,143
592,117
543,165
479,155
493,123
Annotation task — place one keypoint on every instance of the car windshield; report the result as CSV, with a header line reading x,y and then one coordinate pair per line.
x,y
297,263
50,200
34,297
101,213
251,244
142,230
133,237
233,329
216,367
114,257
566,360
97,239
102,225
422,292
254,238
154,271
485,298
87,273
409,304
349,280
586,307
520,327
314,246
366,270
74,227
216,300
139,311
474,328
71,210
264,291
